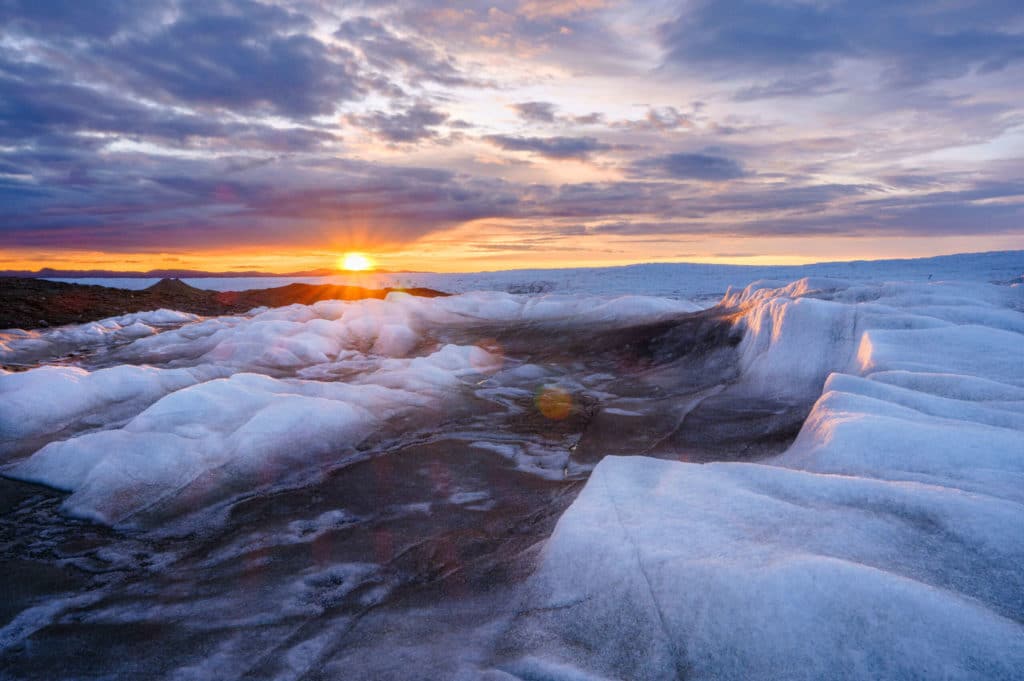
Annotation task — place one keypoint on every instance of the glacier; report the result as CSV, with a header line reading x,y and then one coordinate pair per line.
x,y
810,478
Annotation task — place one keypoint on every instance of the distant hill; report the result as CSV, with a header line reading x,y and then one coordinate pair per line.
x,y
51,273
28,303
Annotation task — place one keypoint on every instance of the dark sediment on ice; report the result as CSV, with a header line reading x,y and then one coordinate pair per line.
x,y
33,303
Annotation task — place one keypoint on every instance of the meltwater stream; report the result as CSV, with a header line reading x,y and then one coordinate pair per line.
x,y
351,490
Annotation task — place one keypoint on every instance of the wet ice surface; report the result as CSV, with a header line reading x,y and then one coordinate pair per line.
x,y
379,523
366,490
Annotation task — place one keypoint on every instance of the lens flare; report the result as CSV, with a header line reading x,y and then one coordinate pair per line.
x,y
554,403
355,262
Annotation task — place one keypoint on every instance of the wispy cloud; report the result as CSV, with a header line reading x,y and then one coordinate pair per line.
x,y
551,147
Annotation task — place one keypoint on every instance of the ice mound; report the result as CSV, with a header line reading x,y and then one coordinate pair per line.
x,y
230,435
21,347
887,542
738,571
796,335
300,336
192,414
51,398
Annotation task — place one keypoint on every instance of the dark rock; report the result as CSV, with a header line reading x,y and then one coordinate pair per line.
x,y
37,303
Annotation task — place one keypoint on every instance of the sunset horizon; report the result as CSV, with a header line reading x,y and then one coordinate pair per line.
x,y
384,262
517,135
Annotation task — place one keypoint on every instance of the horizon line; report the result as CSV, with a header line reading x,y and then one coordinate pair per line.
x,y
186,273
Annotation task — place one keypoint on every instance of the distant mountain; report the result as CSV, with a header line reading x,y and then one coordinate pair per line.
x,y
51,273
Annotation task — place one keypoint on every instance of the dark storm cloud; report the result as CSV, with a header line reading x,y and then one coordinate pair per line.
x,y
914,42
536,112
684,166
550,147
412,125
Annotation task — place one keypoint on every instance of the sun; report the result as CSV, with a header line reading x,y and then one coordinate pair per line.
x,y
355,262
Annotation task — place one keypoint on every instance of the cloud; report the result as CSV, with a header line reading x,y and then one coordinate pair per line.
x,y
195,205
913,42
593,118
776,197
550,147
831,209
533,9
537,112
815,84
600,200
38,106
239,56
683,166
208,57
412,125
219,123
658,119
96,18
387,52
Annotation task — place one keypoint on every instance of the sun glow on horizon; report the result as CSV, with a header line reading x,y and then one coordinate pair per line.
x,y
355,262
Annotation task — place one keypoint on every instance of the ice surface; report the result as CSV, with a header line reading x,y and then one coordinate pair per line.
x,y
885,543
736,571
51,398
192,414
23,347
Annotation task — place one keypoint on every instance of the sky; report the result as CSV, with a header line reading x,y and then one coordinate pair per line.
x,y
236,134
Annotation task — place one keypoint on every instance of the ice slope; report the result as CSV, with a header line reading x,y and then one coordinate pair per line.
x,y
886,543
189,416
